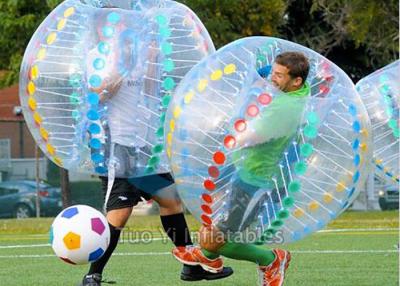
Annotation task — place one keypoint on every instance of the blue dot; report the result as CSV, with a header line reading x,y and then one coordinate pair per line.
x,y
296,235
93,98
356,126
320,224
94,128
185,152
99,64
108,31
352,110
103,48
95,80
356,144
93,114
351,192
113,18
332,215
183,135
356,177
307,230
356,160
97,158
95,143
100,170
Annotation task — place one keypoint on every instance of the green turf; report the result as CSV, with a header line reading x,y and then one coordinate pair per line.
x,y
133,265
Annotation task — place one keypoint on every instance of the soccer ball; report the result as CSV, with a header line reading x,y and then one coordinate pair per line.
x,y
79,235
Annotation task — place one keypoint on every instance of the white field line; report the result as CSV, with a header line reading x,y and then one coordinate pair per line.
x,y
383,251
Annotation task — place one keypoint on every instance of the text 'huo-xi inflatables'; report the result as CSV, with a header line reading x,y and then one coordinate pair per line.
x,y
261,164
380,93
97,77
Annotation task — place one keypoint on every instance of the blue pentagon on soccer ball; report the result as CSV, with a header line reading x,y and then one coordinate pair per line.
x,y
72,240
96,254
97,225
70,212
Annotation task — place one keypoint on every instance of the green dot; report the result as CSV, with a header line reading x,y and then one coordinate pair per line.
x,y
161,20
277,223
300,168
389,112
154,160
75,80
168,65
288,202
76,114
166,48
283,214
387,99
165,32
162,118
158,148
261,58
168,83
149,169
294,186
165,100
385,89
160,132
310,132
396,132
312,118
74,99
306,150
270,231
392,123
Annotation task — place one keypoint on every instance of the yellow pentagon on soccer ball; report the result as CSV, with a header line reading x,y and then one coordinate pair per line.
x,y
72,241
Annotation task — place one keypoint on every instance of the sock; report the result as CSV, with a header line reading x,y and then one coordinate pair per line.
x,y
176,228
242,251
98,266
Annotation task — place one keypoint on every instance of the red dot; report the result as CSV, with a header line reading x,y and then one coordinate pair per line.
x,y
229,141
329,78
252,110
240,125
264,99
206,209
209,185
207,198
213,171
206,219
325,65
219,158
323,89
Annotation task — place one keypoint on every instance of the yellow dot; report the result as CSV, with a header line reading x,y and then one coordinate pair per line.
x,y
51,149
69,12
32,103
51,38
179,181
202,85
340,187
175,168
44,133
216,75
379,161
169,138
328,198
58,161
386,169
31,88
298,213
177,112
34,74
231,68
41,54
61,24
172,125
188,97
37,118
313,206
363,147
169,152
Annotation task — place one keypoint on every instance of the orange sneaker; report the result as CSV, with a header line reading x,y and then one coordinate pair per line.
x,y
192,255
274,274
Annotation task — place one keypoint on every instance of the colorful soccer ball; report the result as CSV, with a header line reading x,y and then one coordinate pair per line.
x,y
79,235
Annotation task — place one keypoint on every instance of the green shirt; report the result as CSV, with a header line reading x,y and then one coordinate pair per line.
x,y
277,125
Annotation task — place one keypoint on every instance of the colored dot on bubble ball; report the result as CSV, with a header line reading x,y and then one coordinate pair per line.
x,y
240,125
252,110
264,99
209,185
219,158
229,141
213,171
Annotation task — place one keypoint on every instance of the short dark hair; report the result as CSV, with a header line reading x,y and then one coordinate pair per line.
x,y
295,62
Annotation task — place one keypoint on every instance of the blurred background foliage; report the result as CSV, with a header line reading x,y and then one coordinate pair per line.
x,y
360,36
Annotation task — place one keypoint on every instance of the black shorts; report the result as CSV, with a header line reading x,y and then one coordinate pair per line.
x,y
127,193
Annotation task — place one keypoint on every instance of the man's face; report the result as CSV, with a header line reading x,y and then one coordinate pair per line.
x,y
281,79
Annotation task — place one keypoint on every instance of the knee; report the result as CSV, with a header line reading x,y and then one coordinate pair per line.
x,y
169,206
119,217
211,238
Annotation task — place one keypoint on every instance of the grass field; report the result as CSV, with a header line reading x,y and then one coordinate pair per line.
x,y
358,248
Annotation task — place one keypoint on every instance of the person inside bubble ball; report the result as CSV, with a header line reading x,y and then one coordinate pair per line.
x,y
119,84
258,173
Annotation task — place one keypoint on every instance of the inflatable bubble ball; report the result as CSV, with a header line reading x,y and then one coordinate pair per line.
x,y
97,77
260,161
